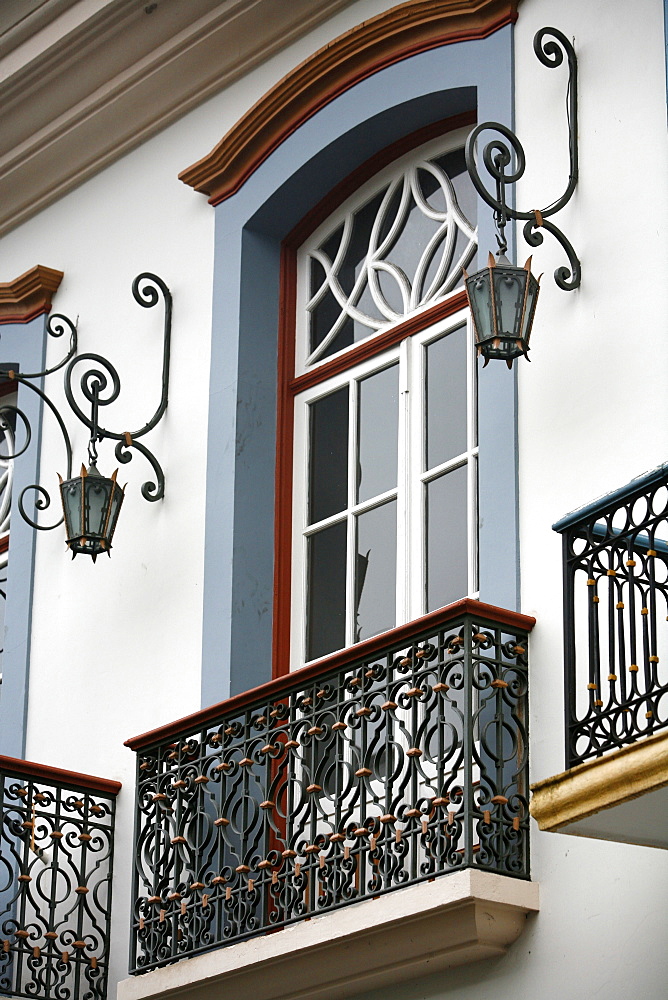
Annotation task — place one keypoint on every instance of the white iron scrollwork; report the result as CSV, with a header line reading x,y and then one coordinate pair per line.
x,y
378,271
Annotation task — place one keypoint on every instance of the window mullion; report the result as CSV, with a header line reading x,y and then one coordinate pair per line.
x,y
472,470
353,443
415,489
299,519
404,569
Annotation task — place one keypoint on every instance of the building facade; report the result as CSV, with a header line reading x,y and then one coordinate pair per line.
x,y
315,680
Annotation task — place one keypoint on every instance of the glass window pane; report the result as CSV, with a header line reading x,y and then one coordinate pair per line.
x,y
328,460
447,550
326,597
445,392
376,570
378,426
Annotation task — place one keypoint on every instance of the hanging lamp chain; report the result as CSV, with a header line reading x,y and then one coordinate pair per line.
x,y
95,435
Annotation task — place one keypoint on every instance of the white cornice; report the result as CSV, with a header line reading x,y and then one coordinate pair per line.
x,y
101,77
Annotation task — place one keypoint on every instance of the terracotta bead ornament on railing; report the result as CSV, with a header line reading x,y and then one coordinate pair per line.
x,y
615,557
397,760
55,881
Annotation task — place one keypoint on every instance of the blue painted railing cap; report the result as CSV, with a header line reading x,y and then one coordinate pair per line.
x,y
601,504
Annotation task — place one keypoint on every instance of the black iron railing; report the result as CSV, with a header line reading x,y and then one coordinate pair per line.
x,y
401,759
615,608
55,882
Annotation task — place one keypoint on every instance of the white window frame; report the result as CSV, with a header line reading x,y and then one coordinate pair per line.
x,y
411,481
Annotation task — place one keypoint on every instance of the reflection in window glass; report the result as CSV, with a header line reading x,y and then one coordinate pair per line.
x,y
326,605
446,543
328,470
375,571
377,429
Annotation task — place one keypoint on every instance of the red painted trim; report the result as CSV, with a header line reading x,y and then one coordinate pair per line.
x,y
29,295
25,317
362,651
226,169
284,449
381,342
44,772
4,543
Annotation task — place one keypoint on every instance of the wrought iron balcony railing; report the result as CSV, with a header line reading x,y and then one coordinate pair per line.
x,y
615,556
55,881
395,761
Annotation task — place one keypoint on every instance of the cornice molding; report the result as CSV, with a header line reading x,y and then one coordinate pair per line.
x,y
602,783
29,295
89,87
402,31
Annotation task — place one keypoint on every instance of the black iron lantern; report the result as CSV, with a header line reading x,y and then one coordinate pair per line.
x,y
503,301
91,505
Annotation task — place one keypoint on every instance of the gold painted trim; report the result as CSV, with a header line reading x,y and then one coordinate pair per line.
x,y
29,295
600,784
404,30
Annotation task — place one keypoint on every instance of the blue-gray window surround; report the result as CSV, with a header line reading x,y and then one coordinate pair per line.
x,y
249,227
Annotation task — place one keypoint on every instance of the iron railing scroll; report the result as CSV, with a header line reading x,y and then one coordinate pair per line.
x,y
56,854
615,558
395,761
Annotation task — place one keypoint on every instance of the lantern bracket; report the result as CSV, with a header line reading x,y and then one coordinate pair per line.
x,y
549,44
100,386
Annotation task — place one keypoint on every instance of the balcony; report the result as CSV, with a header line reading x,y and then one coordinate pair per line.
x,y
308,803
55,881
616,677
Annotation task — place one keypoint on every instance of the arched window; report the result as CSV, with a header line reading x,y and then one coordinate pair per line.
x,y
384,490
283,170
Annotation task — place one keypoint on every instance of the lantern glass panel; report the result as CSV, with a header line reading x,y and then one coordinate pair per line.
x,y
116,501
71,496
97,494
509,288
478,287
529,308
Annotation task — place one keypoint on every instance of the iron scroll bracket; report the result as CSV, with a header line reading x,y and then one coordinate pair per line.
x,y
99,385
505,162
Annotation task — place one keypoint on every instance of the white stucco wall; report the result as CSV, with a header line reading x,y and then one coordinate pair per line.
x,y
116,645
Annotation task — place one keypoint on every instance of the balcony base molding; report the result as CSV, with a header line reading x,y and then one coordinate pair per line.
x,y
622,796
425,928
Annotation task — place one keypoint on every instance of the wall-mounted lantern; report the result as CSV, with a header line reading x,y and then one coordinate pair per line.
x,y
503,300
91,502
503,296
91,505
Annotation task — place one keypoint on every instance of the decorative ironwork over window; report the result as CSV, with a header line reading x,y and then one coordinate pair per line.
x,y
615,614
398,247
351,779
55,882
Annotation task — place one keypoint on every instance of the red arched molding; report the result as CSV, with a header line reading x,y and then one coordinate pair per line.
x,y
400,32
29,295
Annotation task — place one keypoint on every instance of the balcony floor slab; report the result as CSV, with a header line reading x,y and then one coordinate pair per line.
x,y
458,918
622,796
